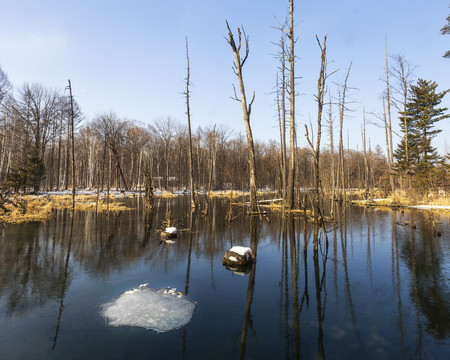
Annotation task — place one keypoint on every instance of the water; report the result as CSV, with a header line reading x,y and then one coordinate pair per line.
x,y
379,290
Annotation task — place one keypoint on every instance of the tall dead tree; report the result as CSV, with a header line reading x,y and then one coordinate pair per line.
x,y
333,162
391,146
281,105
366,164
188,113
316,151
403,73
342,108
289,201
72,139
237,67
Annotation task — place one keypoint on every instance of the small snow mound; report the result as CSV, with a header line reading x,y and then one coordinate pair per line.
x,y
241,250
160,310
171,230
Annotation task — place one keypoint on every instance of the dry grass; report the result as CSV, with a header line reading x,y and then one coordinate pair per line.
x,y
441,201
404,199
227,194
167,195
40,208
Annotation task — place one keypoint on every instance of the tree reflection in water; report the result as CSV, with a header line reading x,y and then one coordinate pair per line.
x,y
381,289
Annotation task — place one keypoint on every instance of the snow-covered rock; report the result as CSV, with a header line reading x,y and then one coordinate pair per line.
x,y
171,230
238,255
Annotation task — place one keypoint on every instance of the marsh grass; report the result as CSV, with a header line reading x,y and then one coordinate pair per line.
x,y
166,195
40,208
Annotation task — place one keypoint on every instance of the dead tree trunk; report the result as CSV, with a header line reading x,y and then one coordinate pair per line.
x,y
316,152
333,162
281,103
238,65
188,112
72,137
289,201
366,165
391,158
341,176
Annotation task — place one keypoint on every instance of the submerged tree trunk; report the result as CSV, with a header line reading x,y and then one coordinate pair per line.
x,y
238,65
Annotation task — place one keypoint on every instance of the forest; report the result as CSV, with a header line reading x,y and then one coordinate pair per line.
x,y
47,144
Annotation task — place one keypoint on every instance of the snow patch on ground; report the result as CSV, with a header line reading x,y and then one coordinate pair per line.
x,y
161,310
430,207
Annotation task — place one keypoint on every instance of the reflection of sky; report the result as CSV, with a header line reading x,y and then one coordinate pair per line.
x,y
365,294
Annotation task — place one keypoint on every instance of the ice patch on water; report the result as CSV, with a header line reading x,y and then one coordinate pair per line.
x,y
161,310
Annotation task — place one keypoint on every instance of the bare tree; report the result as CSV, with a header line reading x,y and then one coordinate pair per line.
x,y
72,137
188,113
5,85
366,165
403,73
281,109
342,108
112,129
389,122
165,130
333,162
289,201
238,65
316,151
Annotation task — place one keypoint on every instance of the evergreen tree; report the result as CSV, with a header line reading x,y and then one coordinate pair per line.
x,y
28,172
422,112
446,30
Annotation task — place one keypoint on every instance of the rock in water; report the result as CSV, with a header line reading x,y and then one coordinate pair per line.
x,y
160,310
238,255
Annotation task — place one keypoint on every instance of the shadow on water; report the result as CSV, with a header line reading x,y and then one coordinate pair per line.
x,y
373,283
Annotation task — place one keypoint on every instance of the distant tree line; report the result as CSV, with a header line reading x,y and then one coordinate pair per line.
x,y
114,152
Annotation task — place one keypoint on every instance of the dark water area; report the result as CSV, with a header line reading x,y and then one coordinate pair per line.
x,y
378,290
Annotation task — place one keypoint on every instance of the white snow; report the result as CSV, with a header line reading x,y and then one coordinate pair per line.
x,y
241,250
171,230
160,310
430,207
232,258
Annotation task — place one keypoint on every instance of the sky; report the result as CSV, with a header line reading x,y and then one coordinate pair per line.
x,y
129,57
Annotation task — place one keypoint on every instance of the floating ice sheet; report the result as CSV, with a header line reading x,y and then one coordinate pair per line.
x,y
160,310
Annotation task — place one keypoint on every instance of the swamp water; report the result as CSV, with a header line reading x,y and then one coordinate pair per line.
x,y
379,290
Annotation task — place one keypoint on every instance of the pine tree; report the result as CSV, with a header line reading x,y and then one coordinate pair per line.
x,y
27,173
446,30
422,112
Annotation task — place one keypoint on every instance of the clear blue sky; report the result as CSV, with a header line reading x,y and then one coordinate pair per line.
x,y
129,56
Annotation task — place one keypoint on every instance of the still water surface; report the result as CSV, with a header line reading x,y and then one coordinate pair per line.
x,y
379,290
